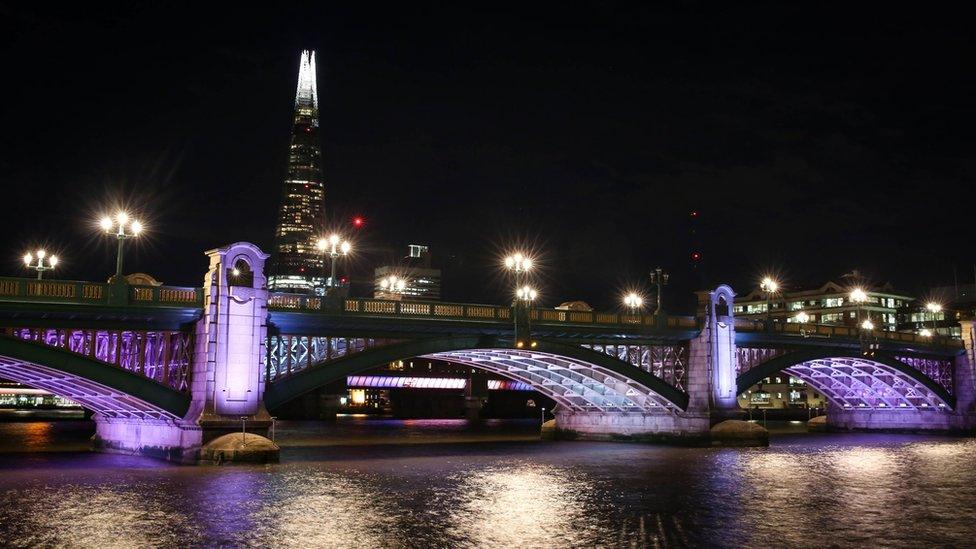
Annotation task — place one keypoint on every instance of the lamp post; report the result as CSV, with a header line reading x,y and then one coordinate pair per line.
x,y
121,227
40,267
659,278
334,247
858,297
769,286
519,265
393,284
524,296
934,308
634,302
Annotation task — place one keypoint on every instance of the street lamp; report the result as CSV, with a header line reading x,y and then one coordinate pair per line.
x,y
867,325
769,286
334,247
524,297
633,301
659,278
393,284
934,308
40,267
858,297
526,294
121,227
520,264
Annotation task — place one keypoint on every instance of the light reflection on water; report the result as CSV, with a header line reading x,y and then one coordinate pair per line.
x,y
430,490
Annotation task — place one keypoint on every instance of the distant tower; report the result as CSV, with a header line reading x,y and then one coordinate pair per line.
x,y
297,267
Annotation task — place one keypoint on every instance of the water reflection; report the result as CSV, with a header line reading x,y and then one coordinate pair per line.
x,y
802,491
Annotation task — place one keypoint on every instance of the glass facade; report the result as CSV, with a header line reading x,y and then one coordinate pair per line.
x,y
296,263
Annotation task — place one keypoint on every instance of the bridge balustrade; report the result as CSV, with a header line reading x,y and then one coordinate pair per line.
x,y
467,311
74,292
848,332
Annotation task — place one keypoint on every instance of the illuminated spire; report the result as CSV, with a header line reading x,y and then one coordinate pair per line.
x,y
307,97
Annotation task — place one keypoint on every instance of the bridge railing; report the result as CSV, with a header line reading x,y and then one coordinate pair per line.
x,y
77,292
465,311
849,332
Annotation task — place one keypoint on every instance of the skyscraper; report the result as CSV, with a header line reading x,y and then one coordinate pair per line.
x,y
297,265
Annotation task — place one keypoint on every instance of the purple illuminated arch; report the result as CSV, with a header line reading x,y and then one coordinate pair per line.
x,y
857,382
103,388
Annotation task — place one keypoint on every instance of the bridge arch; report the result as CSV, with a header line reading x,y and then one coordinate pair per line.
x,y
577,378
103,388
851,380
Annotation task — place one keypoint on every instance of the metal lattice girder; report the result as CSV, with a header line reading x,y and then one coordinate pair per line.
x,y
577,377
103,388
162,356
667,362
291,354
573,383
852,382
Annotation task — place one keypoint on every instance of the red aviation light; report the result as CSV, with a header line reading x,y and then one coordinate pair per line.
x,y
357,222
696,256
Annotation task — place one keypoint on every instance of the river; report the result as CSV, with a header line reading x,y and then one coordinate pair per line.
x,y
440,483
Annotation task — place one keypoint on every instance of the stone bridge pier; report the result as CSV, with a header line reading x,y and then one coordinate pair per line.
x,y
227,385
710,387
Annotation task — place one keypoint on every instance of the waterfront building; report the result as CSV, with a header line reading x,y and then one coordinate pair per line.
x,y
782,391
955,303
421,281
828,304
296,262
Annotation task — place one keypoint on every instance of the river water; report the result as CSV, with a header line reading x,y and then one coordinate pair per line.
x,y
440,483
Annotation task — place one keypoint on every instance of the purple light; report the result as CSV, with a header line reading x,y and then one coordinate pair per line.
x,y
406,382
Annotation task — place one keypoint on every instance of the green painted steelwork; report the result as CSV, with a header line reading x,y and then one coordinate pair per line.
x,y
112,377
76,292
761,371
317,376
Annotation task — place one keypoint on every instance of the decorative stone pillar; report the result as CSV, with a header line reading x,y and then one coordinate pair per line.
x,y
712,356
228,381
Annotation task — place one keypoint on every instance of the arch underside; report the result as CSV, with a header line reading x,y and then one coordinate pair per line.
x,y
95,396
857,383
573,383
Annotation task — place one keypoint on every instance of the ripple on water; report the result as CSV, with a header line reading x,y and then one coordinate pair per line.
x,y
847,490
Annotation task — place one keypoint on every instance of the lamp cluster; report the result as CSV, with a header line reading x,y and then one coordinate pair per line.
x,y
334,247
393,284
40,266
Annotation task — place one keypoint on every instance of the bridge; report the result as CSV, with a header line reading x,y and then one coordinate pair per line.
x,y
165,369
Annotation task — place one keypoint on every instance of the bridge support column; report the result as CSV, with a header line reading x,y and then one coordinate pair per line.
x,y
227,380
713,357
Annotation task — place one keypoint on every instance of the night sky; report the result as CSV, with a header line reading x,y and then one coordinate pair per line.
x,y
811,140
